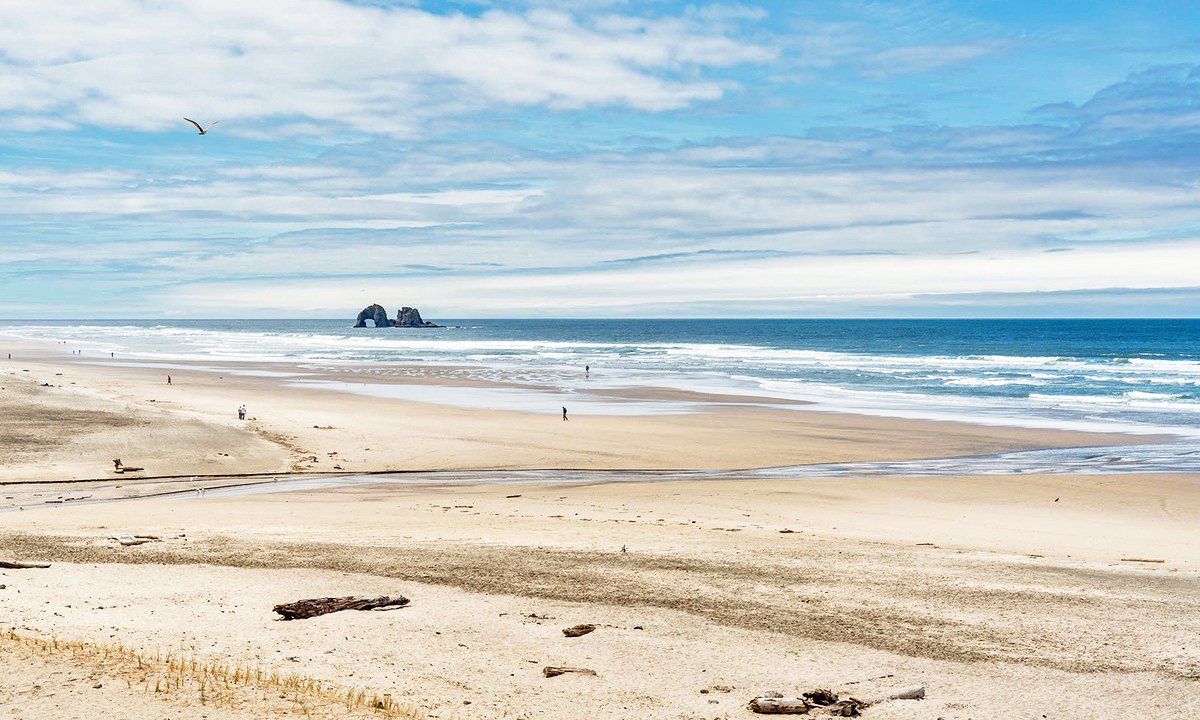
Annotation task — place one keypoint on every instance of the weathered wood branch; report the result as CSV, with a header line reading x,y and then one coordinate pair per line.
x,y
908,692
127,539
551,671
577,630
302,609
17,565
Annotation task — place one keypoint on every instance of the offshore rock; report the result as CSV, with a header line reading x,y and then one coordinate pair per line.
x,y
376,314
410,317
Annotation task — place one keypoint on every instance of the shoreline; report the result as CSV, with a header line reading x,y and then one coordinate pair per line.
x,y
124,382
332,354
305,430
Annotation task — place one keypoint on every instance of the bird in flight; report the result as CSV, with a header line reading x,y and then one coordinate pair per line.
x,y
203,130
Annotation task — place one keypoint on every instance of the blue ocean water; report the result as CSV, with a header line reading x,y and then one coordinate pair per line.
x,y
1128,375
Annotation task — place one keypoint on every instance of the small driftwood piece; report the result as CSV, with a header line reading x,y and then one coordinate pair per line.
x,y
908,692
845,708
18,565
820,696
551,671
302,609
577,630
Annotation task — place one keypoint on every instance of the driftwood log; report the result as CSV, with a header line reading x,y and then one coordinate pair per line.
x,y
127,539
302,609
551,671
17,565
827,702
577,630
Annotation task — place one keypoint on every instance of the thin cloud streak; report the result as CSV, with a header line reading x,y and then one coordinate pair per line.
x,y
739,286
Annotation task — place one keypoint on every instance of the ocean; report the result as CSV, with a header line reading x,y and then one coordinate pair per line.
x,y
1139,376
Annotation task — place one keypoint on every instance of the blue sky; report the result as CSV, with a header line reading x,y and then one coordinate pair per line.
x,y
613,159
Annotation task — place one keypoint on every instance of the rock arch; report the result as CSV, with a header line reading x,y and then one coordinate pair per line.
x,y
374,313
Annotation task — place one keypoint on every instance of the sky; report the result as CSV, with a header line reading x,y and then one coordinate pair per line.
x,y
650,158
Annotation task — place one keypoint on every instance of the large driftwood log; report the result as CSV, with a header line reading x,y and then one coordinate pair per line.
x,y
17,565
577,630
302,609
826,701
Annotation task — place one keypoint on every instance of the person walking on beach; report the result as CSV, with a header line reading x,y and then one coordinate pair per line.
x,y
564,413
168,379
242,412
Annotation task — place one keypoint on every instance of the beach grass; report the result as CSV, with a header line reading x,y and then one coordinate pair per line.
x,y
190,677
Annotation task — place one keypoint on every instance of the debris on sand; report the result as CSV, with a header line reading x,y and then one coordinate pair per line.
x,y
551,671
18,565
127,539
121,468
302,609
828,702
577,630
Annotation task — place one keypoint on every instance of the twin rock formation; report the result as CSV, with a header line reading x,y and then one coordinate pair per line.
x,y
407,317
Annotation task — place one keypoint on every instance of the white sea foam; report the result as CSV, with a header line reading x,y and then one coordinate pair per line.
x,y
992,381
1135,394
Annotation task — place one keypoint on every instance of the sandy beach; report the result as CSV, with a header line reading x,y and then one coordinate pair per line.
x,y
1022,596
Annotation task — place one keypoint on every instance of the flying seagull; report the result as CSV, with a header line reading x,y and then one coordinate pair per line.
x,y
203,130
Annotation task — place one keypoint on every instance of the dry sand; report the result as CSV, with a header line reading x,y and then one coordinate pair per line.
x,y
1006,597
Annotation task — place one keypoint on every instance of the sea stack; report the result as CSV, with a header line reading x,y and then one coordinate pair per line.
x,y
411,317
374,313
407,317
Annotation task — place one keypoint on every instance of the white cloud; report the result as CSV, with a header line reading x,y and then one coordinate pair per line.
x,y
127,64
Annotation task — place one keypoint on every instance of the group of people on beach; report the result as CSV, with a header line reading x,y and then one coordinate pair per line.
x,y
587,370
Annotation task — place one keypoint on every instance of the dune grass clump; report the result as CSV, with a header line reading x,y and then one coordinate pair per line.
x,y
239,684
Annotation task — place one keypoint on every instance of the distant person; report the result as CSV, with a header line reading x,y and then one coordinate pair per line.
x,y
242,412
168,379
564,413
587,370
